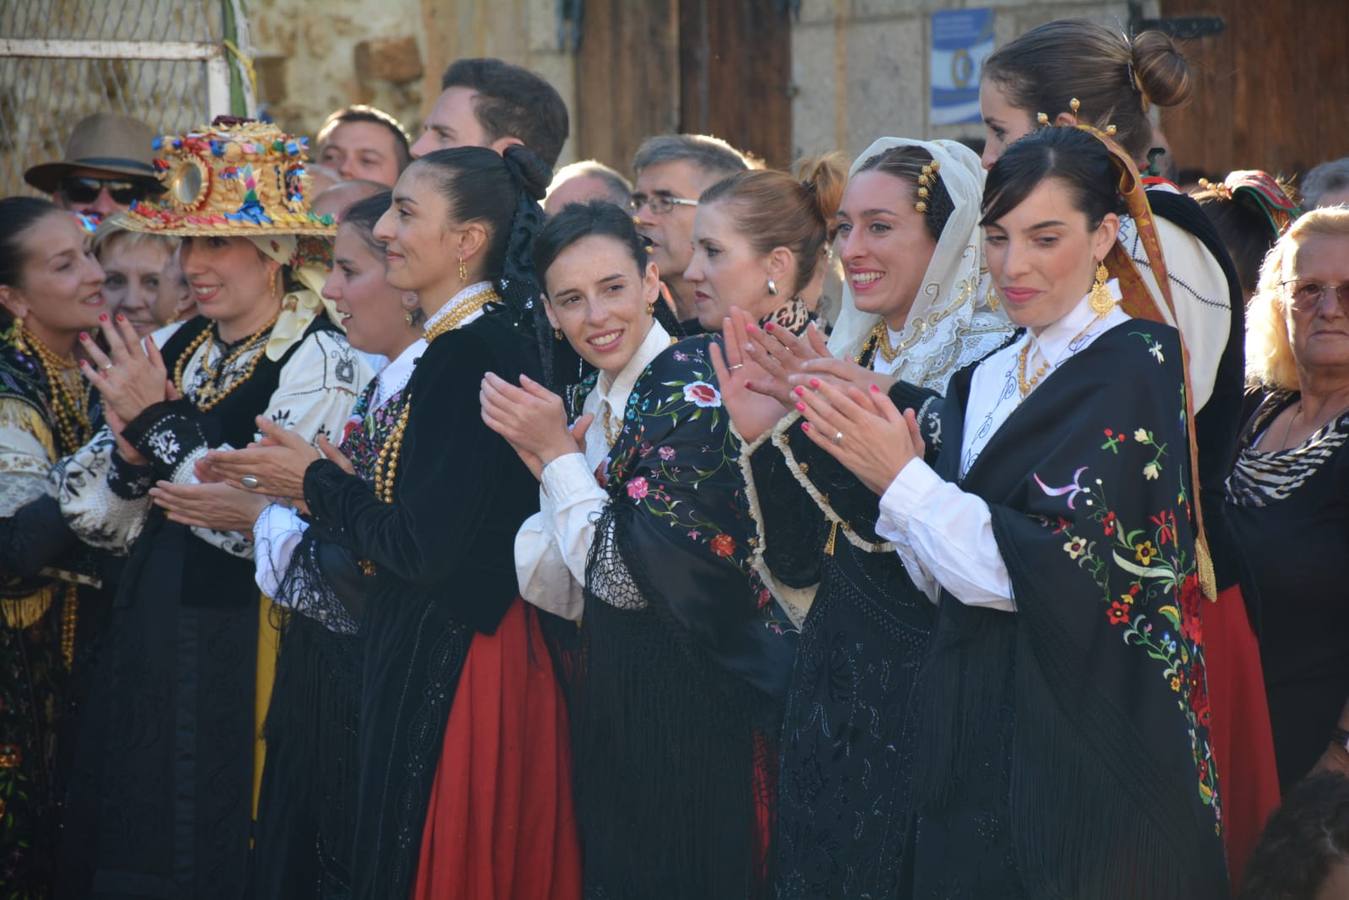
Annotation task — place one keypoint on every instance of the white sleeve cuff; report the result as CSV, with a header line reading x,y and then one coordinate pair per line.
x,y
568,477
912,488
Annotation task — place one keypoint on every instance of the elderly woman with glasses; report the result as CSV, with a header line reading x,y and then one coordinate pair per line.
x,y
1288,495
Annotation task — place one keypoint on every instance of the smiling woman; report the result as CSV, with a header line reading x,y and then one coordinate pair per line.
x,y
49,294
184,650
135,267
643,537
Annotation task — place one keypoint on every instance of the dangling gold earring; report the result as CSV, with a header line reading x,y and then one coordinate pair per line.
x,y
1100,299
463,271
557,334
19,343
651,308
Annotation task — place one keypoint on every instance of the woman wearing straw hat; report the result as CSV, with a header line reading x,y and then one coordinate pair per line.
x,y
160,797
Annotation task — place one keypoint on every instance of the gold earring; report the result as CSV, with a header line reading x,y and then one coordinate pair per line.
x,y
557,334
1100,300
19,343
463,271
651,308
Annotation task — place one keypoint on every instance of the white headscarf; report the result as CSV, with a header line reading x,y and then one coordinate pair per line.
x,y
298,308
951,323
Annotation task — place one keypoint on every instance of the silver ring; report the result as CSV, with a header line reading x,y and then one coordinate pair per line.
x,y
838,437
734,367
250,481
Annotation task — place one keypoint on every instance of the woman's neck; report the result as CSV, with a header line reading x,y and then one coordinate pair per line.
x,y
396,347
896,319
240,327
1323,393
434,297
62,343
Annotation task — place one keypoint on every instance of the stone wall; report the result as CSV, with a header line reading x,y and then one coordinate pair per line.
x,y
860,67
313,57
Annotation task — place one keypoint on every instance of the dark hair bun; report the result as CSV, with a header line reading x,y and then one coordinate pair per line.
x,y
825,177
1161,69
527,170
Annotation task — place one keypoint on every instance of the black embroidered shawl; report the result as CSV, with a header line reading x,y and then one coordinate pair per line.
x,y
1062,750
684,655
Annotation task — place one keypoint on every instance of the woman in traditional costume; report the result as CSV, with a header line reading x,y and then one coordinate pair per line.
x,y
1059,727
49,295
1073,71
914,309
161,797
645,537
463,786
303,834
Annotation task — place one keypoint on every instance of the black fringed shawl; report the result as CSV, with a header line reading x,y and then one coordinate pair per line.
x,y
445,569
684,656
1062,750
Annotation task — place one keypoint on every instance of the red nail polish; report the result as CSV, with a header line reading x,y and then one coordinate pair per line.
x,y
875,390
84,336
103,317
121,318
751,327
800,407
799,391
815,382
805,426
768,326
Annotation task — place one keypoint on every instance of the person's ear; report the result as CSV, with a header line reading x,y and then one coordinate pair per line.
x,y
651,284
1105,235
501,143
781,267
548,311
13,300
472,243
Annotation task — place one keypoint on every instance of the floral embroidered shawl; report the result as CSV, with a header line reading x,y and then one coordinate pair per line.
x,y
1073,733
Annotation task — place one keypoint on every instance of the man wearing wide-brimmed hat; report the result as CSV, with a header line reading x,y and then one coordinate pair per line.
x,y
107,165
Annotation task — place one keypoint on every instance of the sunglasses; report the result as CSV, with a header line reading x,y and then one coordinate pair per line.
x,y
82,189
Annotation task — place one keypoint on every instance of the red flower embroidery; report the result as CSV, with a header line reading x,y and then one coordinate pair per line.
x,y
1108,522
1118,614
1191,621
637,488
723,545
700,393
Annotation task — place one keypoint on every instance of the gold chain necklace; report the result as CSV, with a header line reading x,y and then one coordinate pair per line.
x,y
210,394
880,335
1024,356
456,317
70,406
612,430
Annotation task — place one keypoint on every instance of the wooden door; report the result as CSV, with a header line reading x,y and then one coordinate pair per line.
x,y
719,67
1271,91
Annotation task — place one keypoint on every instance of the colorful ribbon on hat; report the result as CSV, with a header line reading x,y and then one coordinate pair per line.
x,y
1260,190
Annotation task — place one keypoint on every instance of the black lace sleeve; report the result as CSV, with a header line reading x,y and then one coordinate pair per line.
x,y
34,537
325,583
168,435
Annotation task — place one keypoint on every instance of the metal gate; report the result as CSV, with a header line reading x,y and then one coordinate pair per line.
x,y
171,63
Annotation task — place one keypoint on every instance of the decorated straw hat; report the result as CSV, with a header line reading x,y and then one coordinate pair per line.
x,y
235,178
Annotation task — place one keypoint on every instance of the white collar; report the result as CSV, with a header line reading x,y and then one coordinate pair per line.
x,y
395,376
616,392
1063,338
467,295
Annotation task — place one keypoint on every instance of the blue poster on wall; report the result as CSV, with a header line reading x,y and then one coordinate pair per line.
x,y
961,40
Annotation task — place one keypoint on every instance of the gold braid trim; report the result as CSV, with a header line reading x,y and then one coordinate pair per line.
x,y
796,602
798,472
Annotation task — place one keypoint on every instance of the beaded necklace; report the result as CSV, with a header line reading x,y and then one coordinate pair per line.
x,y
386,463
210,394
1026,384
70,406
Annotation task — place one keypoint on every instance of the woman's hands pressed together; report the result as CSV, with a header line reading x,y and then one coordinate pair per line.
x,y
532,420
863,430
740,374
134,378
216,506
274,466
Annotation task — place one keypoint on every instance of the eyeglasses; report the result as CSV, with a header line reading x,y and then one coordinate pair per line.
x,y
660,203
82,189
1307,295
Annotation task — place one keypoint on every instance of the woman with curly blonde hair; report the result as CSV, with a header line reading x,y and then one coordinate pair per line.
x,y
1288,495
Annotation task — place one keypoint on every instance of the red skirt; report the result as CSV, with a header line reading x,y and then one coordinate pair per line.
x,y
500,825
1243,745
